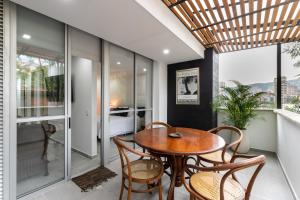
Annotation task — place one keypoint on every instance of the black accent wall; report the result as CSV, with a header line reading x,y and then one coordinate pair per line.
x,y
199,116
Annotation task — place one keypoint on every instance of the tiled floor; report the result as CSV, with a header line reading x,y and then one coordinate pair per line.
x,y
270,185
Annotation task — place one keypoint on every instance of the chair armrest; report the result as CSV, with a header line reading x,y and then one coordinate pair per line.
x,y
243,156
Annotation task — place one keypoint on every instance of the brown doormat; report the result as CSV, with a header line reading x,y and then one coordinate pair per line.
x,y
93,178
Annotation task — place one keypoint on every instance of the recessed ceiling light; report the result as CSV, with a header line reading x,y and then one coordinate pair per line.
x,y
145,69
118,63
26,36
166,51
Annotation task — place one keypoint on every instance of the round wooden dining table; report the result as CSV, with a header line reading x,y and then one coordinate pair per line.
x,y
191,142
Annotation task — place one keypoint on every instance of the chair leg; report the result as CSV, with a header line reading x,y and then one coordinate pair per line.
x,y
191,197
122,189
149,186
129,190
160,190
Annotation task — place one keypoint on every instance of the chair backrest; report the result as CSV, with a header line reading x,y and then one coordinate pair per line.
x,y
234,143
158,123
257,162
229,170
124,150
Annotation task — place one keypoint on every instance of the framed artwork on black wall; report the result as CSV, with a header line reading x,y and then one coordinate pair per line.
x,y
187,86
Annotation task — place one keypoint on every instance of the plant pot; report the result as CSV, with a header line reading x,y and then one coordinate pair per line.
x,y
245,143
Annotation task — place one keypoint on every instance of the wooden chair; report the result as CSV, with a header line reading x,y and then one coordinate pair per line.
x,y
157,123
162,157
223,156
208,183
148,169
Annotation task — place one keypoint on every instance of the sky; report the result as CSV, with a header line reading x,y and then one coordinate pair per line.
x,y
256,65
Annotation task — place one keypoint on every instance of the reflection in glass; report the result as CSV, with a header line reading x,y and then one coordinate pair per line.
x,y
143,82
122,124
40,154
143,118
121,83
40,65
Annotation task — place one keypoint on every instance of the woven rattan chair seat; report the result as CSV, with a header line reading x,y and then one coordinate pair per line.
x,y
144,169
207,184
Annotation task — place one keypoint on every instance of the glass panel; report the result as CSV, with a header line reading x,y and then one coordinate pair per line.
x,y
290,80
40,91
122,124
143,118
40,65
86,95
40,154
143,82
121,84
243,66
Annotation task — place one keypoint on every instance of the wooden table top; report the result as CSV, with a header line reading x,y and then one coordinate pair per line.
x,y
192,142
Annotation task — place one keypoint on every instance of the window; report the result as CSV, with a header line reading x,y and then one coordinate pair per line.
x,y
254,67
290,79
40,65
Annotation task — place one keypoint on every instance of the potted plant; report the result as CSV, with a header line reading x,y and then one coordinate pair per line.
x,y
239,105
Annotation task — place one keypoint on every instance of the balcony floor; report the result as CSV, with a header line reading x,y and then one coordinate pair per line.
x,y
270,185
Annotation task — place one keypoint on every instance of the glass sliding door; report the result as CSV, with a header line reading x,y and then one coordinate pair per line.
x,y
40,93
130,92
85,101
121,91
144,67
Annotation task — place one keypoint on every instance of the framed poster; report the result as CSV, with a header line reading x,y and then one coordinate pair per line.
x,y
187,86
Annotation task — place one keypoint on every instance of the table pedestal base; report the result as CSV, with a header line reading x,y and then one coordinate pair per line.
x,y
177,167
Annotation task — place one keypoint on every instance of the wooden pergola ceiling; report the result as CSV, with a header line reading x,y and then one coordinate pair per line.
x,y
232,25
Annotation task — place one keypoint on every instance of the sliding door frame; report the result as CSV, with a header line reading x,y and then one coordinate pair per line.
x,y
10,167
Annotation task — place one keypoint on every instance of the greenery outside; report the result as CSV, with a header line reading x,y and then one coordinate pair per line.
x,y
239,104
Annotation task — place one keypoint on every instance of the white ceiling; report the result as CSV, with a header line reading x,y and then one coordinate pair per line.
x,y
123,22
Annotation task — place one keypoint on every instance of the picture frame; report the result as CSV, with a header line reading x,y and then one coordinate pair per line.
x,y
188,86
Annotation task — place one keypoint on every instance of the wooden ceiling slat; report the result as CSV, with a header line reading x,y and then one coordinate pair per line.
x,y
294,36
251,8
288,19
258,21
208,21
182,20
244,22
228,15
195,21
222,19
189,21
266,20
282,15
294,23
235,30
259,33
238,28
215,20
273,21
206,32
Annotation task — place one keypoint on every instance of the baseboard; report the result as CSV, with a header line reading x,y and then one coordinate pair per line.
x,y
287,179
84,154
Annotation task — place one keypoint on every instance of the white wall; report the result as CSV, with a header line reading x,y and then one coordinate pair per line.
x,y
288,149
262,130
160,76
83,121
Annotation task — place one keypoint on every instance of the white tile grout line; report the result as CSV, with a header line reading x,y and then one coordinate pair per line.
x,y
287,179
